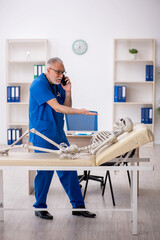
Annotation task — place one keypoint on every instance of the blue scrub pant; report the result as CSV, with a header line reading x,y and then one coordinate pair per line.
x,y
69,181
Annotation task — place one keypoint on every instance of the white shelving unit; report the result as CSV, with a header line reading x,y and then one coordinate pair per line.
x,y
131,73
22,54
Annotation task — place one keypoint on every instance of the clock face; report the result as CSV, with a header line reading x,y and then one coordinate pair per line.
x,y
79,47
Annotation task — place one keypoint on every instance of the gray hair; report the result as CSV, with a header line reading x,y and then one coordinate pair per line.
x,y
52,61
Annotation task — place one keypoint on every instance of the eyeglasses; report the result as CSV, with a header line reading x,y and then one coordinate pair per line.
x,y
58,72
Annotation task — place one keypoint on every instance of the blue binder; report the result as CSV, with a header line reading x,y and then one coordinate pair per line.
x,y
12,94
39,69
18,132
119,93
13,135
146,115
9,136
123,93
150,115
17,94
147,72
8,94
115,93
142,115
151,72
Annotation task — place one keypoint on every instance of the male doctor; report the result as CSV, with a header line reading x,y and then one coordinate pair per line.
x,y
49,101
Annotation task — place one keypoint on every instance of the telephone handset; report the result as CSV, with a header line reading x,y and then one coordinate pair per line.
x,y
63,81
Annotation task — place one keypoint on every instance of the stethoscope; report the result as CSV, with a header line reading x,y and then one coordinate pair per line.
x,y
57,89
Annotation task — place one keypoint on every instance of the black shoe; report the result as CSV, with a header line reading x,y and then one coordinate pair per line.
x,y
44,215
83,213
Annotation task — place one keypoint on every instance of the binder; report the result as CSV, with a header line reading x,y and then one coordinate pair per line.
x,y
12,94
43,68
123,90
151,72
13,135
35,71
18,132
9,136
150,115
146,115
39,70
119,93
17,94
142,115
147,72
115,93
8,94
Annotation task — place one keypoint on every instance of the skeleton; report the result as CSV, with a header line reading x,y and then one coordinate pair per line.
x,y
104,138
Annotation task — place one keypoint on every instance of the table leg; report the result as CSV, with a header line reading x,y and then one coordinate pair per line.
x,y
1,196
31,178
134,201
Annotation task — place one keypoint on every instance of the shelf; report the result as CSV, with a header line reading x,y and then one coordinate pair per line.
x,y
18,82
132,82
21,56
148,124
128,60
27,61
18,124
17,103
133,103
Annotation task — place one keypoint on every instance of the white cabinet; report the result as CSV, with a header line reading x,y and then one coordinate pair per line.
x,y
132,74
22,55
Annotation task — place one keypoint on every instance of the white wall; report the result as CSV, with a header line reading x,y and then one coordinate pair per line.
x,y
96,21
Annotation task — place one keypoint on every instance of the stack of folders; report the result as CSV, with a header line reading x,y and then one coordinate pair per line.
x,y
119,93
146,115
13,135
149,73
13,94
38,70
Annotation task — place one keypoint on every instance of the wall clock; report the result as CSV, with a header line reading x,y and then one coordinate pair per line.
x,y
79,47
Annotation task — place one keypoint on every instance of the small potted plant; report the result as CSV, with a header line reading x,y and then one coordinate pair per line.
x,y
133,53
158,110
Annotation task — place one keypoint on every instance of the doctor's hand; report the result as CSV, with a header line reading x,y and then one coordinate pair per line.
x,y
67,87
87,112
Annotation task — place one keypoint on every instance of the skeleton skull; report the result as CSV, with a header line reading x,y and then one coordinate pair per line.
x,y
124,124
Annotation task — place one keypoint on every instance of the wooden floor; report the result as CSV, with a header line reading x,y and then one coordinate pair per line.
x,y
22,224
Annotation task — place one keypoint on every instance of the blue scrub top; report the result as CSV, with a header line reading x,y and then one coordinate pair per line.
x,y
44,118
